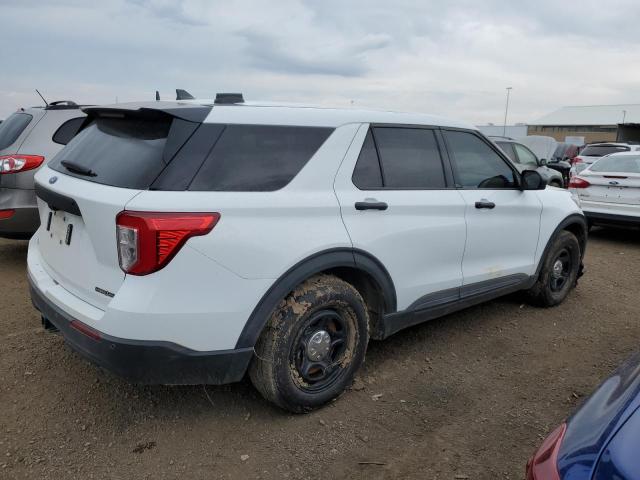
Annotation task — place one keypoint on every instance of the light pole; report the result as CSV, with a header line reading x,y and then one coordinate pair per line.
x,y
506,110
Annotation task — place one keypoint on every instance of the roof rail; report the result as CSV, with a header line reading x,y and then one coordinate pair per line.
x,y
228,98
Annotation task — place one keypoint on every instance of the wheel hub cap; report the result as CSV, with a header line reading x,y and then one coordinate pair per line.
x,y
318,345
558,267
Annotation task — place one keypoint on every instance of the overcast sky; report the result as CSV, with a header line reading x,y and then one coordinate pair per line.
x,y
451,58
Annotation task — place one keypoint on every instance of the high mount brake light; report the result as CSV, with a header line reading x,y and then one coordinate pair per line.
x,y
147,241
19,163
543,464
577,182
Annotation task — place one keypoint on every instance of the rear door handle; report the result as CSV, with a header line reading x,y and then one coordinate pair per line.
x,y
371,205
485,204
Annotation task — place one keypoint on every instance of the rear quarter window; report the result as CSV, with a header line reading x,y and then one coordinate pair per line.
x,y
258,158
67,130
12,127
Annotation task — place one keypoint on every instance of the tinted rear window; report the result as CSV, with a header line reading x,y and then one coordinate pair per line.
x,y
12,127
67,130
258,158
601,150
410,158
122,152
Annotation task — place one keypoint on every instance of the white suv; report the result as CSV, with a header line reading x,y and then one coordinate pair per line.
x,y
186,243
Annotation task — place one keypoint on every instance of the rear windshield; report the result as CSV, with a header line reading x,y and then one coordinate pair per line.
x,y
122,152
602,150
622,164
12,127
258,158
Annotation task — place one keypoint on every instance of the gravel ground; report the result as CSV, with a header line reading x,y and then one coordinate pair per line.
x,y
465,397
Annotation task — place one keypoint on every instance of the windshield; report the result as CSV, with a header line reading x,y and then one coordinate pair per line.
x,y
626,164
602,150
12,127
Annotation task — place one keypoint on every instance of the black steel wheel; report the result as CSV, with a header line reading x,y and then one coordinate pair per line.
x,y
312,345
559,272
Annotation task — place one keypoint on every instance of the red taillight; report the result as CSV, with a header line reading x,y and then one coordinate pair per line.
x,y
577,182
19,163
543,464
575,160
147,241
5,214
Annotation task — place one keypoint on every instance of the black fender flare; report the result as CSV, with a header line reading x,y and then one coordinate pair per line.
x,y
577,219
316,263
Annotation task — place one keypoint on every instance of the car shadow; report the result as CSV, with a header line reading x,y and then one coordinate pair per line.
x,y
628,236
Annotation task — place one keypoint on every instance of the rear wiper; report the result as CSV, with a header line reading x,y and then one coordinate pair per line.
x,y
79,169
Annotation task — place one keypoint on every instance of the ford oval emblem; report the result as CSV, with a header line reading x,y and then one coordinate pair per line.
x,y
614,183
53,180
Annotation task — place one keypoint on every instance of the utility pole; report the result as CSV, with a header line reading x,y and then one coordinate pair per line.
x,y
506,111
624,116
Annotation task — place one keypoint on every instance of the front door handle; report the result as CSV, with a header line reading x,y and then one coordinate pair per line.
x,y
371,205
485,204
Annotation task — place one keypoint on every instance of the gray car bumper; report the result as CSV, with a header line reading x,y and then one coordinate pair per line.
x,y
25,219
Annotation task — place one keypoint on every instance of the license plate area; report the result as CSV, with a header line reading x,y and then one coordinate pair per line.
x,y
60,227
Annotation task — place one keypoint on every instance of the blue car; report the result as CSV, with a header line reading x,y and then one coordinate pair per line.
x,y
601,440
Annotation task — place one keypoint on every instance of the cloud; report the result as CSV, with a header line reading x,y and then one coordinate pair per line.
x,y
449,58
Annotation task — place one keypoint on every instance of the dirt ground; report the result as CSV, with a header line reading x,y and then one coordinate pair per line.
x,y
464,397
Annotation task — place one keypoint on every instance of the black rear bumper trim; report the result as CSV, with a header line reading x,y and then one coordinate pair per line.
x,y
612,219
147,362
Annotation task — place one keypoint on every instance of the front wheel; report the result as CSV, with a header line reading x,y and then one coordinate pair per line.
x,y
312,346
559,272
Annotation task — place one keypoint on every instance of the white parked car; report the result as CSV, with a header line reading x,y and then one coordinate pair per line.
x,y
609,190
595,151
186,243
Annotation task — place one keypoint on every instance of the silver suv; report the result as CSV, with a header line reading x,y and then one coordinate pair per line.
x,y
525,159
29,138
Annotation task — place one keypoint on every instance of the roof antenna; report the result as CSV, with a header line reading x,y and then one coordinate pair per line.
x,y
157,96
45,102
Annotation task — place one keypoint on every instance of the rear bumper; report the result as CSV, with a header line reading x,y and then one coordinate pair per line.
x,y
612,219
142,361
25,221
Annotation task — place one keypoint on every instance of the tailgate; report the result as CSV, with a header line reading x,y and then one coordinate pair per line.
x,y
622,188
77,237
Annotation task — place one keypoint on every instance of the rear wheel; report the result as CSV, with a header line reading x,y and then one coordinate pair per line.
x,y
559,272
312,346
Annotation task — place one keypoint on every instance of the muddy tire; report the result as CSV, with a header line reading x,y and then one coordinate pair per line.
x,y
312,345
559,272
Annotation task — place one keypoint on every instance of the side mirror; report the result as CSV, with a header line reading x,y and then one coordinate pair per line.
x,y
532,180
543,161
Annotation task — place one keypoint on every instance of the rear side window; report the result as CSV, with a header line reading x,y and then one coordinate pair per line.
x,y
67,130
12,127
409,158
508,149
477,165
602,150
122,152
258,158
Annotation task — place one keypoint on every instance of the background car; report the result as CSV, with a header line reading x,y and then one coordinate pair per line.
x,y
595,151
525,159
29,138
600,440
609,190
